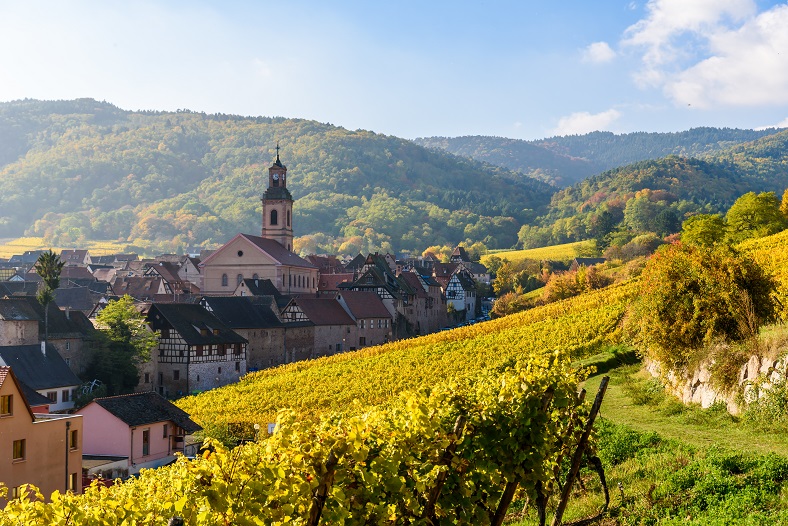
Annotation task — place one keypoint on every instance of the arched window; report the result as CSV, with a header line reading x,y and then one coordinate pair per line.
x,y
274,217
255,276
224,280
239,278
288,218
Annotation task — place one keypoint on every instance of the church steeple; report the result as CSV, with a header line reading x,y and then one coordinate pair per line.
x,y
278,205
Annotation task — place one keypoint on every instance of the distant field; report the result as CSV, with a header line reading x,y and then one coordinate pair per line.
x,y
565,252
10,247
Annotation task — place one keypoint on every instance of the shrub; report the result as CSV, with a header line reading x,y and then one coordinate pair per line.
x,y
691,296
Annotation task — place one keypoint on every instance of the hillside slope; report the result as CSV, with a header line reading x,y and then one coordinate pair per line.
x,y
75,170
564,161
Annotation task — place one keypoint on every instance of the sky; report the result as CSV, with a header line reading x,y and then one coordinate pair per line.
x,y
524,69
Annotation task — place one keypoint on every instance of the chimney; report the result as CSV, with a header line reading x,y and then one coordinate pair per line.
x,y
44,348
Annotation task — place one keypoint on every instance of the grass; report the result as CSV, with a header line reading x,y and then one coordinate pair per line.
x,y
10,247
667,463
565,252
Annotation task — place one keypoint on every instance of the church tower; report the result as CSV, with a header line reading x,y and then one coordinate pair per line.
x,y
278,206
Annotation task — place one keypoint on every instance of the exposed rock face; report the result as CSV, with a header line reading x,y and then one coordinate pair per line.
x,y
755,377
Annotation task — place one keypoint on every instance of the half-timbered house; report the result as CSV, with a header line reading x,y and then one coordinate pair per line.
x,y
196,351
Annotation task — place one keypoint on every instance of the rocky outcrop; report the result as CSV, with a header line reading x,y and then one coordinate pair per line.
x,y
755,377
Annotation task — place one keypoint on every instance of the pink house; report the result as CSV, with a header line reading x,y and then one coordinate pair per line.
x,y
135,431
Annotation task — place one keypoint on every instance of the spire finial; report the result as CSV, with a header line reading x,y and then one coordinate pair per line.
x,y
277,152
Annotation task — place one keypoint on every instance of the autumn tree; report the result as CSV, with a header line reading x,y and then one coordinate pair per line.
x,y
691,296
754,215
703,230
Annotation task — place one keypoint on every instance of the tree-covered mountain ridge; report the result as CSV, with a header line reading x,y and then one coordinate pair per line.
x,y
83,169
564,161
657,195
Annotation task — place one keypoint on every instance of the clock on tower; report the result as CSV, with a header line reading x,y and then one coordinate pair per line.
x,y
278,206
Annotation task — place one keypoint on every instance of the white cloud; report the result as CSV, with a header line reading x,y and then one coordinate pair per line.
x,y
748,66
584,122
670,31
713,53
598,53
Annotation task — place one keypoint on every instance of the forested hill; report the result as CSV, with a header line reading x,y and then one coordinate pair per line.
x,y
656,195
564,161
76,170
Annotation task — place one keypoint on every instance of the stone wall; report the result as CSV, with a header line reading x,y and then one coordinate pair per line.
x,y
757,375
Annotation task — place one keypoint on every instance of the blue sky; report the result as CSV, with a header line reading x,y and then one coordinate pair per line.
x,y
521,69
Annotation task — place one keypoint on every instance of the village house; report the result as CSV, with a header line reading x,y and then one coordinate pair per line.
x,y
374,323
271,341
132,432
75,258
195,351
42,369
429,303
335,330
461,293
40,449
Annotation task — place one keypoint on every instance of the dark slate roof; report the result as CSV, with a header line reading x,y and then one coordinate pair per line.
x,y
36,370
466,281
59,324
240,312
261,287
102,260
140,409
18,288
33,397
357,263
76,298
415,283
189,320
18,309
475,268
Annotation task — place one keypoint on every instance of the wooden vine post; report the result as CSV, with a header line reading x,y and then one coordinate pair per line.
x,y
578,456
448,455
511,486
319,496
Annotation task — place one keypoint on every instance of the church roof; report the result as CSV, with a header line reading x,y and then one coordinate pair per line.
x,y
278,252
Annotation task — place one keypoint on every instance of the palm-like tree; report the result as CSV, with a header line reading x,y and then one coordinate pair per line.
x,y
48,267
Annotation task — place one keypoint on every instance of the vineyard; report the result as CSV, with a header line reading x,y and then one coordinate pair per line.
x,y
565,252
445,428
10,247
352,382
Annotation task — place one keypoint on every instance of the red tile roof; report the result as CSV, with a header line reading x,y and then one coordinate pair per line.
x,y
322,311
365,304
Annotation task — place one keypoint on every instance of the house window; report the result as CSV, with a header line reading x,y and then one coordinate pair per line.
x,y
6,405
362,341
274,217
386,324
68,346
288,218
362,324
380,324
165,333
220,370
52,395
255,277
19,449
199,350
161,378
72,482
239,278
224,280
147,378
164,431
238,367
176,374
73,442
65,394
146,442
15,492
236,348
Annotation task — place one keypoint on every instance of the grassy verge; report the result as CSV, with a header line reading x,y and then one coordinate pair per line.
x,y
670,464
